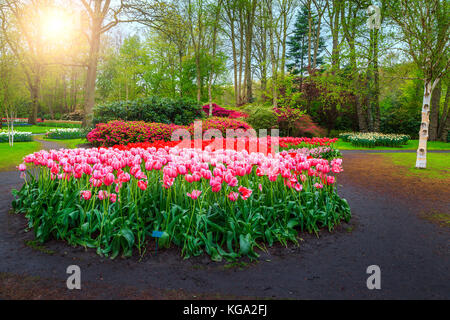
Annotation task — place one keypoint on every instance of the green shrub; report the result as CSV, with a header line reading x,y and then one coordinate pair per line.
x,y
178,111
260,116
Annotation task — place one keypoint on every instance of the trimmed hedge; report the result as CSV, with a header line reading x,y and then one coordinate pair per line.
x,y
180,111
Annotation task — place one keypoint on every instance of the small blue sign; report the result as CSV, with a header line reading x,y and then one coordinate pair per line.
x,y
157,234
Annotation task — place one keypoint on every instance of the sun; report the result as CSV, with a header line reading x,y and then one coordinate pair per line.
x,y
56,24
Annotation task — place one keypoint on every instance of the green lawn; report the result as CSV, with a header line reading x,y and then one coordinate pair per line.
x,y
10,157
412,145
438,164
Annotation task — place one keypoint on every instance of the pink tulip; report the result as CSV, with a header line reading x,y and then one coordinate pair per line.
x,y
245,192
233,196
113,197
22,167
86,195
331,180
142,185
189,178
108,179
102,195
194,195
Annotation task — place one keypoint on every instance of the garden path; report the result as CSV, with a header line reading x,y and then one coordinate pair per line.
x,y
48,145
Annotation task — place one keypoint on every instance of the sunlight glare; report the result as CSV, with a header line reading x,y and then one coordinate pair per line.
x,y
57,25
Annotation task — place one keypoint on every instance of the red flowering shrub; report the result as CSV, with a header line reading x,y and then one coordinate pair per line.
x,y
123,132
218,111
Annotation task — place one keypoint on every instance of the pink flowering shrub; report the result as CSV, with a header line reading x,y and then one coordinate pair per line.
x,y
125,132
221,124
218,111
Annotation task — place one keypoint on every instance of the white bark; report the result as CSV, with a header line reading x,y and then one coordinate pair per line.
x,y
421,161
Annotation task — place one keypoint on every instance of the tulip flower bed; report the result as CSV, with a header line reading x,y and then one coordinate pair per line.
x,y
65,133
225,203
371,139
309,146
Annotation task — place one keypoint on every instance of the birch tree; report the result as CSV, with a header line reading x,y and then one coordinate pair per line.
x,y
425,31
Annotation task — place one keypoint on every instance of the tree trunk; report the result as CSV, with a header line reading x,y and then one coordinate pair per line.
x,y
248,53
35,92
421,161
434,112
89,100
445,120
272,55
376,80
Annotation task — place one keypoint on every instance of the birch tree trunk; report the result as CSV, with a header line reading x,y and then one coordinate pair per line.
x,y
421,161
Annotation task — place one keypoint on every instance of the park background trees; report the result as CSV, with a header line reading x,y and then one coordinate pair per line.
x,y
315,56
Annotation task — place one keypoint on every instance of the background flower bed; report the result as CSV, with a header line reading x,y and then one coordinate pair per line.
x,y
18,136
121,132
373,139
218,111
178,111
65,133
223,204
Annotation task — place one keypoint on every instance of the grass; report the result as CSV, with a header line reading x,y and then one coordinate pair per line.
x,y
412,145
442,219
438,164
10,157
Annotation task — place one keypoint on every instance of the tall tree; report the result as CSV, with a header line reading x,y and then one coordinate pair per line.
x,y
425,31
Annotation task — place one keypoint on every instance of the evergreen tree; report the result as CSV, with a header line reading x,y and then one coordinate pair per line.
x,y
298,43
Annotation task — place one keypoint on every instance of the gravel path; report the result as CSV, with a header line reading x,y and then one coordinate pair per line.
x,y
386,230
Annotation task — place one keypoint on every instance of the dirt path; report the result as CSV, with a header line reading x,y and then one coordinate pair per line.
x,y
387,230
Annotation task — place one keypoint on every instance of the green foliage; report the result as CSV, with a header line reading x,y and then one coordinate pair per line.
x,y
261,116
179,111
